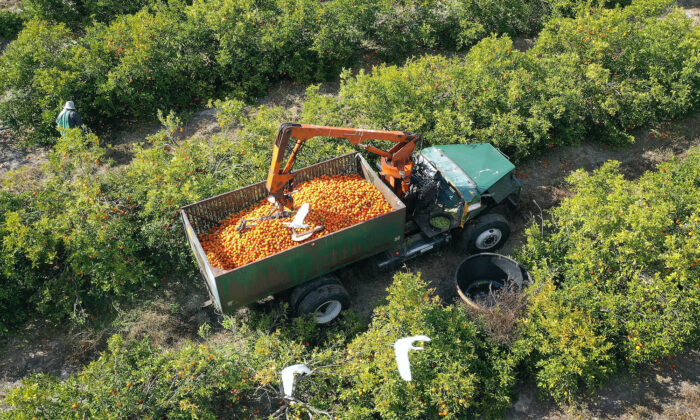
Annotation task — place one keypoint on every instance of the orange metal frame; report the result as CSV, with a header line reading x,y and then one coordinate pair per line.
x,y
396,163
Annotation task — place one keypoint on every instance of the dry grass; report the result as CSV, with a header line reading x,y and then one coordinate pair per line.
x,y
27,178
10,4
499,313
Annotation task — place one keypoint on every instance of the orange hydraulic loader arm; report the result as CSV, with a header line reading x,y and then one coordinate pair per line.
x,y
396,163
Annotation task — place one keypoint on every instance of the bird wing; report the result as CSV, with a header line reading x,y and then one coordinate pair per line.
x,y
288,377
298,221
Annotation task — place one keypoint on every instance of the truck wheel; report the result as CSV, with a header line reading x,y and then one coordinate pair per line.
x,y
325,302
324,297
486,234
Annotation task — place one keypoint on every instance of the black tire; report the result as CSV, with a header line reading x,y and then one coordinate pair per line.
x,y
486,234
300,292
326,301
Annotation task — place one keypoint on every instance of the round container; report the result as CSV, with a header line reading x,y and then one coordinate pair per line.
x,y
480,274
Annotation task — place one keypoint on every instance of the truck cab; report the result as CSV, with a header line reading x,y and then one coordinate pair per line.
x,y
479,175
436,195
454,189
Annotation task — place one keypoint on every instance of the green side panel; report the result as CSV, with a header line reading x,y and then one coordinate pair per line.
x,y
240,286
310,260
503,188
482,163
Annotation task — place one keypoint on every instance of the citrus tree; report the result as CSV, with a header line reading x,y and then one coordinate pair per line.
x,y
617,275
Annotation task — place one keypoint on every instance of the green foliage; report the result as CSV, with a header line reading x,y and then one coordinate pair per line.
x,y
572,8
521,102
631,67
36,70
460,374
572,353
135,380
10,24
229,112
68,245
626,68
79,13
617,270
177,55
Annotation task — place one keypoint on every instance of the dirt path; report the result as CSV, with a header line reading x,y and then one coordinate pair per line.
x,y
203,124
691,8
667,390
169,315
10,4
13,156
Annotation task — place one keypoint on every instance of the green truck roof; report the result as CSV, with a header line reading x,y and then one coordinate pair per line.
x,y
469,167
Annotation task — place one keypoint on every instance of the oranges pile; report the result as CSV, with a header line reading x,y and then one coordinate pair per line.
x,y
335,202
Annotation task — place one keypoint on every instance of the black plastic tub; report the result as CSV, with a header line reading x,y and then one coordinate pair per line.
x,y
478,275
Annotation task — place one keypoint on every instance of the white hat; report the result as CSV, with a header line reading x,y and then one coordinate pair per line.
x,y
69,105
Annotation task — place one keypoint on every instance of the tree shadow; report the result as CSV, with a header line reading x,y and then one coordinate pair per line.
x,y
667,389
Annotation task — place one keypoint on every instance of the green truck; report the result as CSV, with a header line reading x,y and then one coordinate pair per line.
x,y
453,189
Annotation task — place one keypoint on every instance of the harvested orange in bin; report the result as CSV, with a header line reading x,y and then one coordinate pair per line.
x,y
336,202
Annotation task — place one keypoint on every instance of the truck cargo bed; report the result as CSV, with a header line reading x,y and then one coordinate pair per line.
x,y
242,285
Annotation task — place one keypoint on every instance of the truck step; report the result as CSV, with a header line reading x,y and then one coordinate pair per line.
x,y
416,248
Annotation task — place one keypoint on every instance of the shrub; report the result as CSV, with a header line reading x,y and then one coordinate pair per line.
x,y
564,343
631,67
10,24
176,54
618,285
37,71
626,67
142,62
77,14
67,245
354,371
137,380
237,378
459,374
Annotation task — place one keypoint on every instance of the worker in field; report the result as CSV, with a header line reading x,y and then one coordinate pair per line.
x,y
68,118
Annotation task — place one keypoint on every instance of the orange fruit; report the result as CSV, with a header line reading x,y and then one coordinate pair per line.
x,y
336,202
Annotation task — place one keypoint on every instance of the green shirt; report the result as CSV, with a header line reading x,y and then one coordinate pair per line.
x,y
68,118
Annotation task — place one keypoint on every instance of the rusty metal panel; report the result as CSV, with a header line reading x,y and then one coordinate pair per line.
x,y
234,288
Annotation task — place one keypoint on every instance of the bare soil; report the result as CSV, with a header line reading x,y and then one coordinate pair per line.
x,y
14,156
669,389
10,4
169,316
691,8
